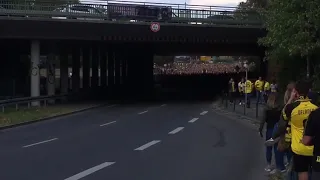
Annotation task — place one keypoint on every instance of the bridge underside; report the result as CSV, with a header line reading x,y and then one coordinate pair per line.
x,y
113,55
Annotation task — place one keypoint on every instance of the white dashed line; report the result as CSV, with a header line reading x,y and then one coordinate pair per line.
x,y
163,105
41,142
203,113
90,171
143,112
151,143
106,124
193,120
176,130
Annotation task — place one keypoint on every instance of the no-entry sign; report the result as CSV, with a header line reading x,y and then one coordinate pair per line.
x,y
155,27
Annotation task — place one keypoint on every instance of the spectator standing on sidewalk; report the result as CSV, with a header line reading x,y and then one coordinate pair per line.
x,y
266,90
247,91
312,137
297,114
273,87
259,88
271,117
241,87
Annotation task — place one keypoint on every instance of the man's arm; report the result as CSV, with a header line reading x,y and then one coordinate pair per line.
x,y
284,120
310,129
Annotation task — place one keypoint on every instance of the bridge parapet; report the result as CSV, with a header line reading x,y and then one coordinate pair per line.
x,y
129,12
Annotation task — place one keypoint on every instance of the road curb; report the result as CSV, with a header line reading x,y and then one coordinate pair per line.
x,y
52,117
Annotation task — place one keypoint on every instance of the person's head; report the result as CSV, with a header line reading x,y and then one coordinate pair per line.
x,y
242,79
302,88
231,79
272,100
260,78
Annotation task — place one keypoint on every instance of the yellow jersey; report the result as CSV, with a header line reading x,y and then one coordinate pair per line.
x,y
297,114
267,86
258,85
248,87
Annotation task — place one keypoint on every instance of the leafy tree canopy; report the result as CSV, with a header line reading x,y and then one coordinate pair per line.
x,y
293,27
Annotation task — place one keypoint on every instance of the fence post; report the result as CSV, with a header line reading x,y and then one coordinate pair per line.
x,y
234,104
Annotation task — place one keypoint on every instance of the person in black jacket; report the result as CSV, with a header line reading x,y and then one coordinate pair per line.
x,y
271,117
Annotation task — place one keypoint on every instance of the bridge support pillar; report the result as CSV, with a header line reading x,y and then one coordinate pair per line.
x,y
85,67
111,70
117,71
95,66
64,72
35,70
103,66
75,68
51,75
124,70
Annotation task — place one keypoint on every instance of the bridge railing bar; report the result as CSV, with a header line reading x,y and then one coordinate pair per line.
x,y
29,100
126,12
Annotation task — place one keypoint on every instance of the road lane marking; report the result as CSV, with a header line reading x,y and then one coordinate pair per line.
x,y
151,143
106,124
90,171
163,105
193,120
143,112
41,142
176,130
203,113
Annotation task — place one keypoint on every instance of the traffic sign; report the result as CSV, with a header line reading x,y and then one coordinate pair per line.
x,y
155,27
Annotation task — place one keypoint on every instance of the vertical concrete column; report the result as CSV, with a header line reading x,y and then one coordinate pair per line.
x,y
35,71
118,59
110,69
95,66
64,72
75,69
103,66
85,67
51,76
124,69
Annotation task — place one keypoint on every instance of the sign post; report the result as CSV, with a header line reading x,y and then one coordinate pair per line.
x,y
155,27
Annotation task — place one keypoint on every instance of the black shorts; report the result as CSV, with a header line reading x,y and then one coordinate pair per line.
x,y
301,163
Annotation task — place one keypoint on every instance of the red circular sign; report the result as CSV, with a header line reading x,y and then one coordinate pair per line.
x,y
155,27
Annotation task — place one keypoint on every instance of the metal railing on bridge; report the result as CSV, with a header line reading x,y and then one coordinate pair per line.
x,y
128,11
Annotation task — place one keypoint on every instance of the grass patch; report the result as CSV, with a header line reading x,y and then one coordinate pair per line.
x,y
11,116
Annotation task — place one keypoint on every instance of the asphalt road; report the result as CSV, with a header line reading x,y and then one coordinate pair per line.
x,y
174,141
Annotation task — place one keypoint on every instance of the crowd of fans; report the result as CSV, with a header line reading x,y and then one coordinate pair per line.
x,y
292,126
190,68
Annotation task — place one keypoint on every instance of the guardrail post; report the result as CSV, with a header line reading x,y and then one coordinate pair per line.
x,y
17,107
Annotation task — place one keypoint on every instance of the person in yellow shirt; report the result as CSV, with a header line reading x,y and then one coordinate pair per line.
x,y
266,91
259,88
297,113
247,91
241,86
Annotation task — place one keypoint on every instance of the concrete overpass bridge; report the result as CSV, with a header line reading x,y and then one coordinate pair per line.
x,y
120,39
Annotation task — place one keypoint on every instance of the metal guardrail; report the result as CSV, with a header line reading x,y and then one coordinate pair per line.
x,y
133,12
29,100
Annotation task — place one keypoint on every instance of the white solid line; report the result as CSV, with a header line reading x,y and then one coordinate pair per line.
x,y
90,171
41,142
143,112
193,120
176,130
203,113
151,143
108,123
163,105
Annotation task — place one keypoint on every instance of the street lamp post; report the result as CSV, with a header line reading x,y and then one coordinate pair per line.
x,y
245,65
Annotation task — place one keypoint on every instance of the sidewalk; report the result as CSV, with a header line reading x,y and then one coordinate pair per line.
x,y
254,111
27,115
